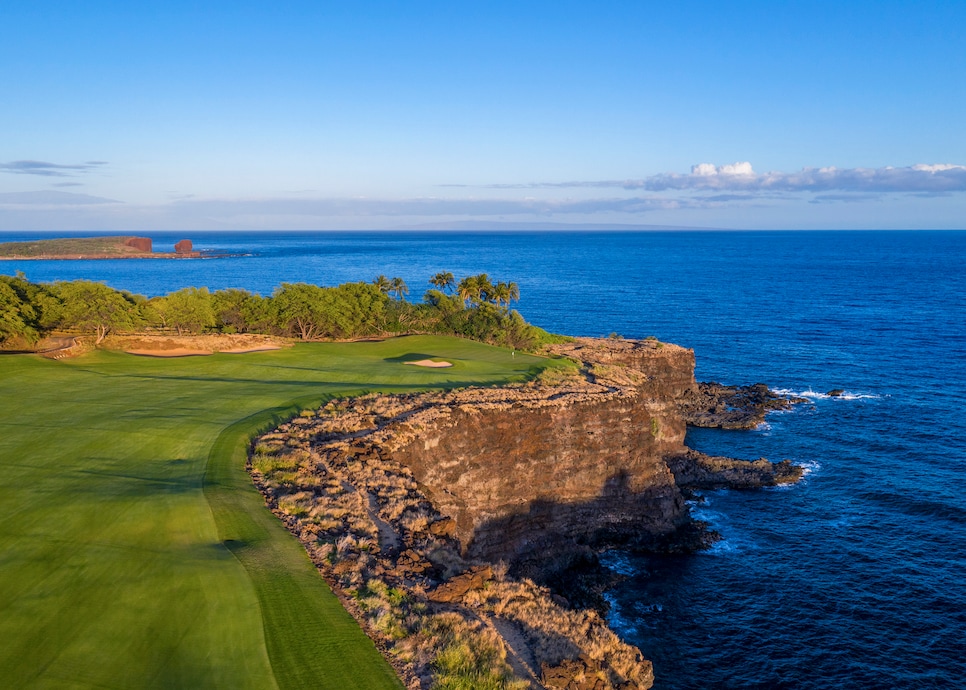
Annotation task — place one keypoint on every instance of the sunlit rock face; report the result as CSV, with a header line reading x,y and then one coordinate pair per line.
x,y
578,468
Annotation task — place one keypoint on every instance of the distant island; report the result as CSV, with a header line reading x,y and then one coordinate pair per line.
x,y
117,247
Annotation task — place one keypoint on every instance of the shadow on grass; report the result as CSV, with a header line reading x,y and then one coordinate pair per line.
x,y
139,484
417,357
356,387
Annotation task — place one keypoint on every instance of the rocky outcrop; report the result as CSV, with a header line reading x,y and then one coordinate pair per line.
x,y
520,477
430,495
574,674
142,244
550,471
718,406
695,470
455,588
183,247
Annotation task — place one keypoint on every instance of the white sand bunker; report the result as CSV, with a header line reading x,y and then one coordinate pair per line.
x,y
430,363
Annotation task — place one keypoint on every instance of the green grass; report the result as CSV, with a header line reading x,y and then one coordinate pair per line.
x,y
134,550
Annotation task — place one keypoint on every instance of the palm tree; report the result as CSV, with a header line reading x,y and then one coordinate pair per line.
x,y
469,289
383,284
514,293
501,294
399,287
443,281
486,287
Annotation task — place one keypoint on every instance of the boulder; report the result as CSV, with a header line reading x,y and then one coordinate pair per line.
x,y
443,528
454,588
410,563
183,247
574,674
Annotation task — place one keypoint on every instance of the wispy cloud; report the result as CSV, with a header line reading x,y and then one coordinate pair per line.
x,y
741,177
51,198
855,198
45,169
426,207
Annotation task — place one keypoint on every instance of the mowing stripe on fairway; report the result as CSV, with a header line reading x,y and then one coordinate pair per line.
x,y
305,625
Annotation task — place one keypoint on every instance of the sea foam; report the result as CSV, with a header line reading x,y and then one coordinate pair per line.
x,y
809,394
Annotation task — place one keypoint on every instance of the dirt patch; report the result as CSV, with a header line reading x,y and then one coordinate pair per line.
x,y
178,352
430,363
157,345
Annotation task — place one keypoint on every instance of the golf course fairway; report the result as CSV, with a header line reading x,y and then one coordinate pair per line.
x,y
134,550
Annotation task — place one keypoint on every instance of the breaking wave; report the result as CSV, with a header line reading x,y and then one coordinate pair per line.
x,y
809,394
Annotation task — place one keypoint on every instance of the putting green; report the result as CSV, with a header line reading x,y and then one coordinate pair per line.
x,y
134,550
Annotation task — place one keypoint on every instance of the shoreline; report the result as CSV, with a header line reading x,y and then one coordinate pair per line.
x,y
91,257
373,522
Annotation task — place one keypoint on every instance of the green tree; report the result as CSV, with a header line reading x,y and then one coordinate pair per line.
x,y
469,290
352,310
475,289
505,293
189,310
383,284
257,312
485,287
236,311
399,288
37,306
444,282
16,315
94,307
300,309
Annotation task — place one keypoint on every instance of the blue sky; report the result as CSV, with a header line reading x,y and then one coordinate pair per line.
x,y
323,115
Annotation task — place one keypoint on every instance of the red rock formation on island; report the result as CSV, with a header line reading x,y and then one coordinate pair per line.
x,y
142,244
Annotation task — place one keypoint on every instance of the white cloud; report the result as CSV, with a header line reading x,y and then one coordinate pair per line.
x,y
940,167
936,178
709,169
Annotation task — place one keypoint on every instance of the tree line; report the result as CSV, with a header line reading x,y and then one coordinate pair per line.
x,y
473,307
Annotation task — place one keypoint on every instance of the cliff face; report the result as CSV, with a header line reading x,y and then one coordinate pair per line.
x,y
541,473
587,470
398,498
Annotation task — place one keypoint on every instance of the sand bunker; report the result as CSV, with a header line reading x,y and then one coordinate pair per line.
x,y
429,363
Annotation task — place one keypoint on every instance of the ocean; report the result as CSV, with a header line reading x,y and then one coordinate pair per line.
x,y
853,578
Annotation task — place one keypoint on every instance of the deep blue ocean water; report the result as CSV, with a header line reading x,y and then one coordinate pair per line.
x,y
854,578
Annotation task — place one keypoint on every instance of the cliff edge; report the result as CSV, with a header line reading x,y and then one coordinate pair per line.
x,y
436,516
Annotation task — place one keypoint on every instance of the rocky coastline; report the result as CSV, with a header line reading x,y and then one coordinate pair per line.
x,y
86,248
467,523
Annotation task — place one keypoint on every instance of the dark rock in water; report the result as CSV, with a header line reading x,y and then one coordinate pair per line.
x,y
836,392
695,470
715,405
183,247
